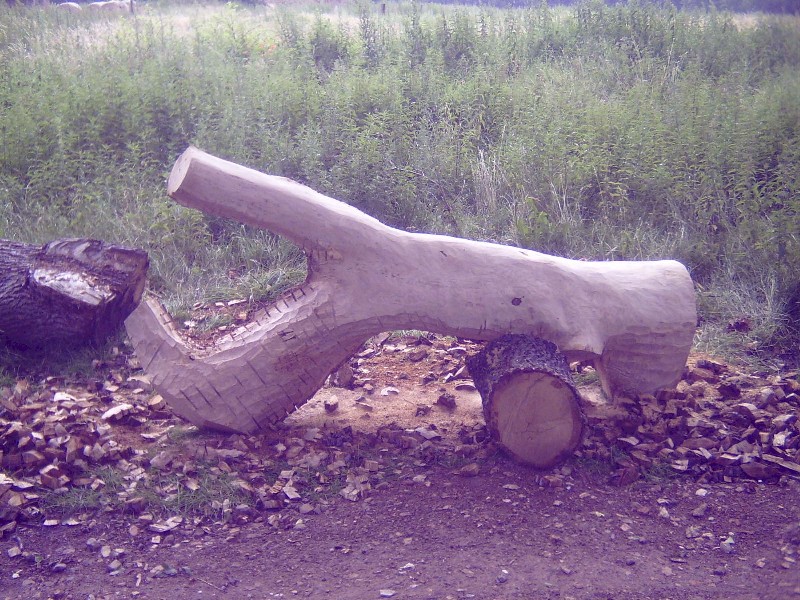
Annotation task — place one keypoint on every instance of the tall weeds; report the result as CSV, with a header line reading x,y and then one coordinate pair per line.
x,y
595,132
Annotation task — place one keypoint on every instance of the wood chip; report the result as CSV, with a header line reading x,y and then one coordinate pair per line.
x,y
469,470
166,525
447,401
781,462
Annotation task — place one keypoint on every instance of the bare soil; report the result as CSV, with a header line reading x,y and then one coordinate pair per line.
x,y
391,492
455,538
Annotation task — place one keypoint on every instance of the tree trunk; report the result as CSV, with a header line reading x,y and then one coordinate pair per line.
x,y
635,320
67,292
530,403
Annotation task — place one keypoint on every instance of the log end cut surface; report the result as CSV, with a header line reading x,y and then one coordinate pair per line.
x,y
530,403
536,418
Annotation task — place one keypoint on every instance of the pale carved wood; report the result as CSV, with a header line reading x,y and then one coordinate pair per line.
x,y
635,320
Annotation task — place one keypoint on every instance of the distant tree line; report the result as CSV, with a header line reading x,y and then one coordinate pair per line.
x,y
766,6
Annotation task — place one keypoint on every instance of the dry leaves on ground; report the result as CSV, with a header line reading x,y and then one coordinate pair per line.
x,y
112,438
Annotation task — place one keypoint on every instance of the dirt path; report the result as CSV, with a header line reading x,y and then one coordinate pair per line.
x,y
495,535
388,487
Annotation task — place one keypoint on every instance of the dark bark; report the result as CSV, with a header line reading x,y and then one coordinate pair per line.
x,y
530,402
67,292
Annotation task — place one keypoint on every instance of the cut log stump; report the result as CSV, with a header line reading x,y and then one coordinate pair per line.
x,y
68,292
530,402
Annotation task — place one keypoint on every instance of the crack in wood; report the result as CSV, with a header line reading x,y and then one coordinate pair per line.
x,y
203,396
252,368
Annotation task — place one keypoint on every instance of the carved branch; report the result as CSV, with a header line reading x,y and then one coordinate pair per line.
x,y
636,320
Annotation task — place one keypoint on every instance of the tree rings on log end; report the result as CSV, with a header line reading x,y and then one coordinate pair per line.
x,y
530,403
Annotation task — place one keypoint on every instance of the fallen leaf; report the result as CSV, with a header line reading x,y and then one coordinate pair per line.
x,y
165,525
468,470
792,466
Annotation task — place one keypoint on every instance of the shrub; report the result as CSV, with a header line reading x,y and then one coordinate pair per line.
x,y
625,131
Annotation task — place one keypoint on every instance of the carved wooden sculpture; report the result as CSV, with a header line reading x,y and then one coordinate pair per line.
x,y
636,320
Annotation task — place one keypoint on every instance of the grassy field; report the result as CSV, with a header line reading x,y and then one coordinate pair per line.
x,y
630,132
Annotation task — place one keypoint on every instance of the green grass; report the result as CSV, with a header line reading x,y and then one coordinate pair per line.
x,y
658,472
210,495
68,363
181,433
75,500
215,494
627,132
595,466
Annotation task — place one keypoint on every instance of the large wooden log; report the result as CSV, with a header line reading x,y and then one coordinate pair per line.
x,y
67,292
635,320
530,402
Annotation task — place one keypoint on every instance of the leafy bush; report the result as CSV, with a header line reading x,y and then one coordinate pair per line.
x,y
627,131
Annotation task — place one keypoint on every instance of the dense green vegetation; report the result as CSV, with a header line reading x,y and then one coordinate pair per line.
x,y
768,6
591,131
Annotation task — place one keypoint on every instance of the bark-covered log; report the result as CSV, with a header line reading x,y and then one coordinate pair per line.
x,y
634,320
530,403
67,292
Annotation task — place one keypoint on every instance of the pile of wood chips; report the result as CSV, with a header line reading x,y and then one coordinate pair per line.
x,y
55,435
717,425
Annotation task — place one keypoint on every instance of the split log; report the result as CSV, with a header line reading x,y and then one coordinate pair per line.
x,y
530,402
635,320
67,292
